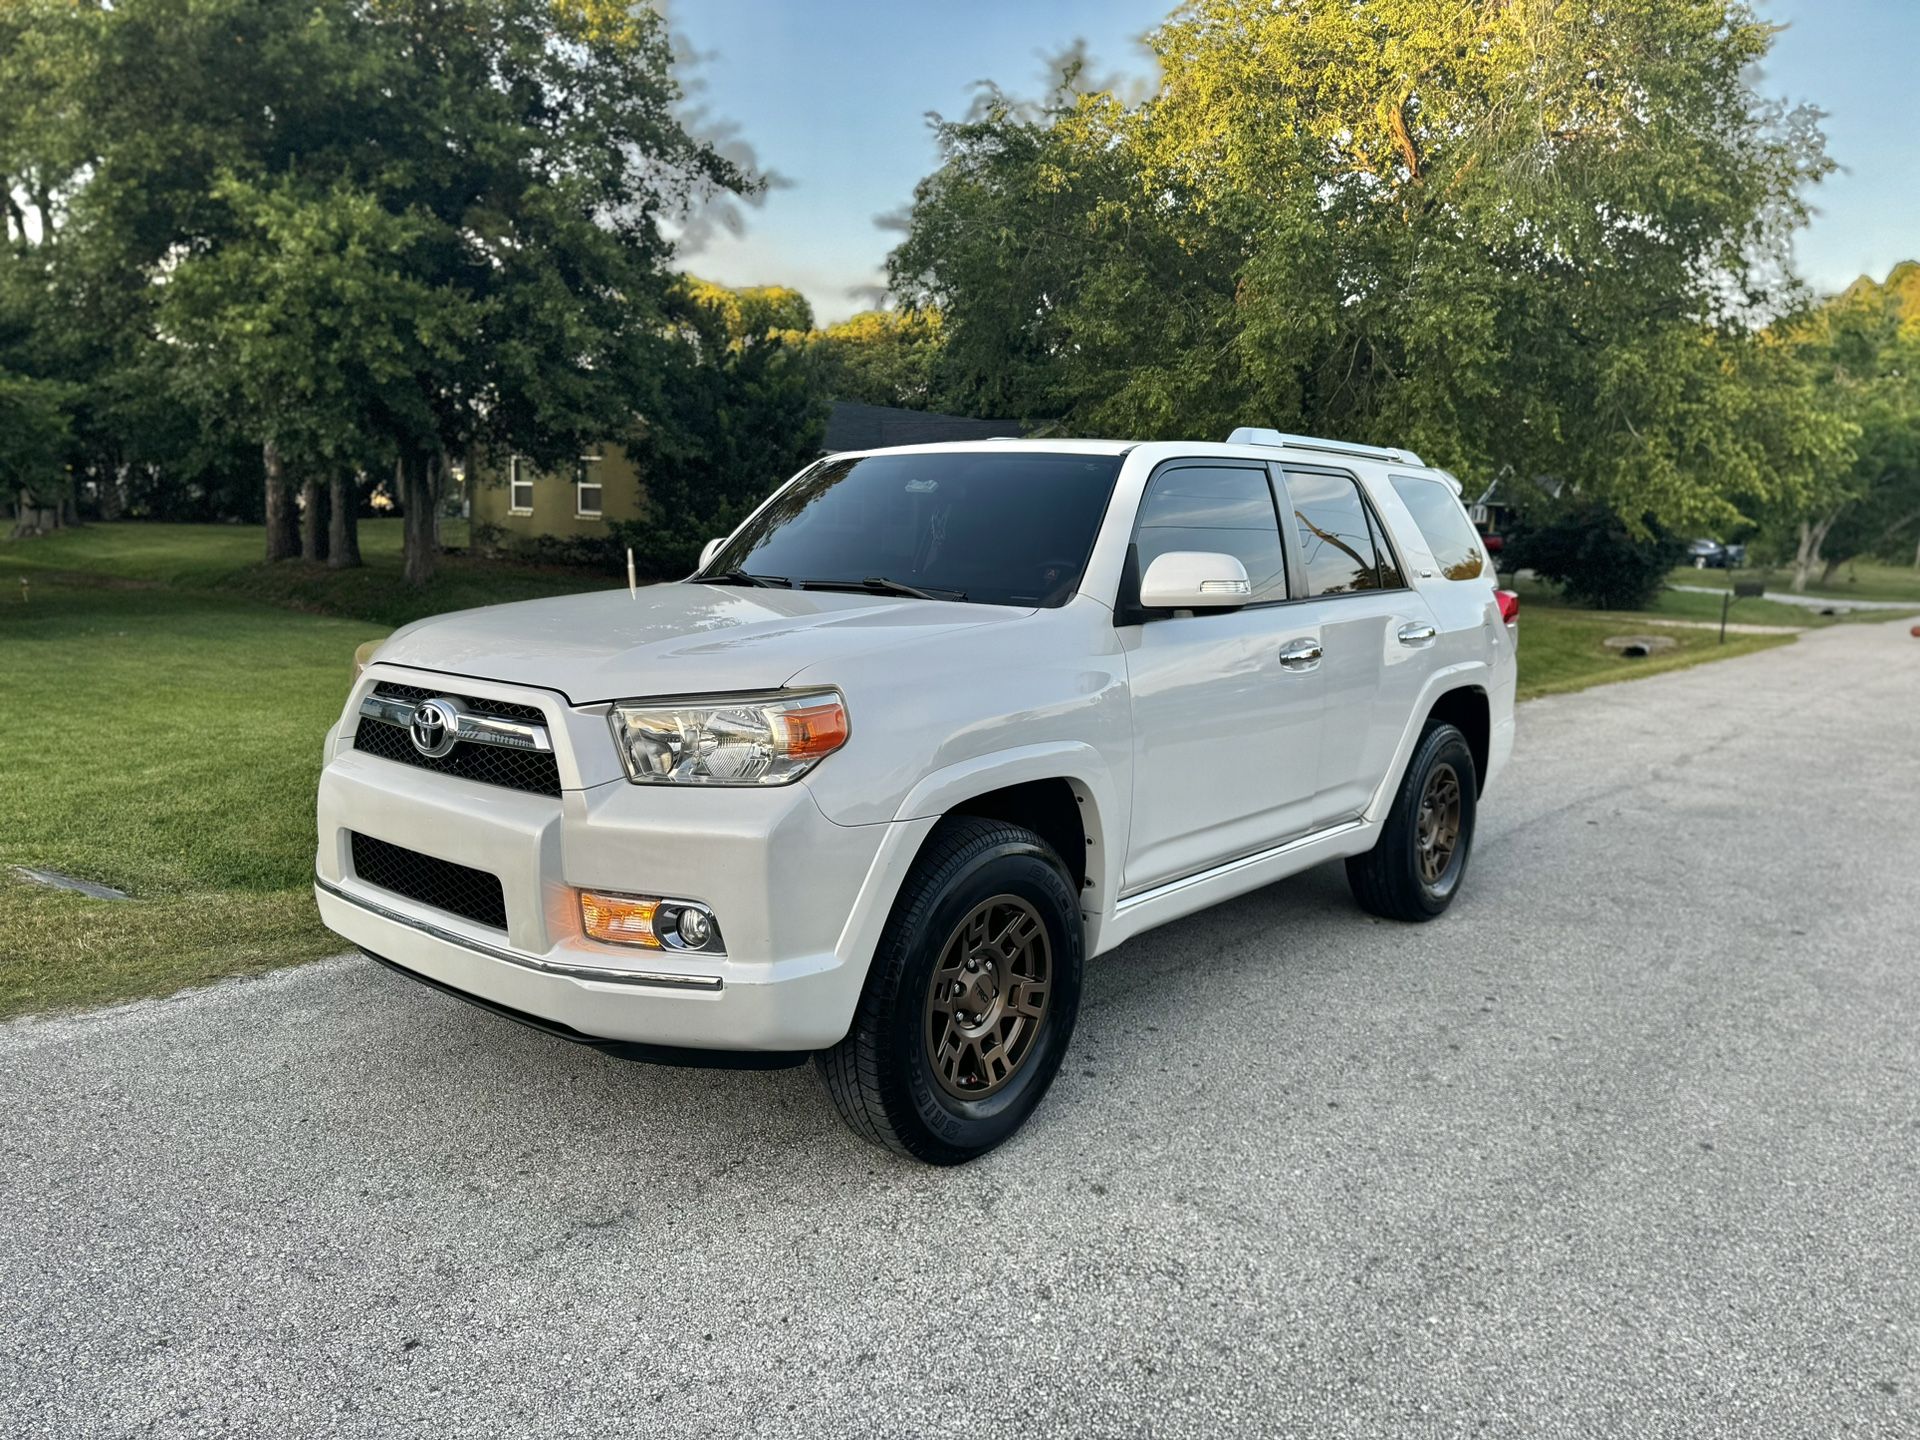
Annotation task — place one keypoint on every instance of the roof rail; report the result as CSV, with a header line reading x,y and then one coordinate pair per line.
x,y
1259,435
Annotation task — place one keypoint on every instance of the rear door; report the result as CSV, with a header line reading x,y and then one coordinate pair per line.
x,y
1226,731
1377,634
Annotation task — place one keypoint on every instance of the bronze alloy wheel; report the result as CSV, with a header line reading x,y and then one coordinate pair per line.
x,y
988,997
1437,831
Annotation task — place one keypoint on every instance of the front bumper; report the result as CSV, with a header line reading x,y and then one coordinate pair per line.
x,y
800,901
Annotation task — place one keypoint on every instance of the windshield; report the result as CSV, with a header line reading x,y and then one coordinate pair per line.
x,y
994,528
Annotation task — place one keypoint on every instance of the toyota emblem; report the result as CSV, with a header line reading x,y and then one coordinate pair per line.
x,y
435,727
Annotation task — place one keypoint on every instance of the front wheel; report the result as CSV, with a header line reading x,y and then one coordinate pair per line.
x,y
971,1000
1414,869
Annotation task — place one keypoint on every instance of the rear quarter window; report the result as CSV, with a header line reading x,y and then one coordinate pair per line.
x,y
1443,524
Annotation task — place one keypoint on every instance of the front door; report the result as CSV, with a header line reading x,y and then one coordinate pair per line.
x,y
1226,731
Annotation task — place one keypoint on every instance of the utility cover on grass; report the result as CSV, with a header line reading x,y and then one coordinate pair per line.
x,y
1638,647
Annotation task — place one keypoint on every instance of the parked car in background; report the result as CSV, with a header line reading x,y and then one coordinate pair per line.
x,y
934,725
1712,555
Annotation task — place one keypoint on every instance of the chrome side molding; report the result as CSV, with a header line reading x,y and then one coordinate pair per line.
x,y
1200,877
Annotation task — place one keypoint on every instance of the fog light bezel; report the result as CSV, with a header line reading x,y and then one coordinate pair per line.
x,y
663,924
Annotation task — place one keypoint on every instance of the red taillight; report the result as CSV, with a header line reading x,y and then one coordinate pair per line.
x,y
1509,605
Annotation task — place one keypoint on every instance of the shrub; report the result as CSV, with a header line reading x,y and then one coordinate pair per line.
x,y
586,552
1587,550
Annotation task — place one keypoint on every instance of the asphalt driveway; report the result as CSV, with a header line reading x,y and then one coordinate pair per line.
x,y
1628,1144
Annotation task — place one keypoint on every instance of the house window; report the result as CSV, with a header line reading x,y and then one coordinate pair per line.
x,y
586,488
519,487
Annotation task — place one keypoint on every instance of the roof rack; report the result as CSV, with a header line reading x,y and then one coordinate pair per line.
x,y
1259,435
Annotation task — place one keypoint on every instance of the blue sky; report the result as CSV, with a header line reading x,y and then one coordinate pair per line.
x,y
833,94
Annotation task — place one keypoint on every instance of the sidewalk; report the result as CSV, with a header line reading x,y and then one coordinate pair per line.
x,y
1814,602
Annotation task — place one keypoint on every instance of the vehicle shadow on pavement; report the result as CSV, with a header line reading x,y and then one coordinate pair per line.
x,y
458,1074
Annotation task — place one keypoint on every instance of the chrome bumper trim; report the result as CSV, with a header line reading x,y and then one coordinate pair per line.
x,y
657,979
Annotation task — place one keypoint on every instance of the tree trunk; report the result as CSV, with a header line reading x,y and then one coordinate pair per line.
x,y
1827,567
113,493
343,524
1803,557
1813,534
281,542
313,520
417,500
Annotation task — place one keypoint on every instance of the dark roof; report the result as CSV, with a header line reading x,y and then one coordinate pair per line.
x,y
853,426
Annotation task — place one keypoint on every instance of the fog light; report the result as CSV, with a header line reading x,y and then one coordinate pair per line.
x,y
619,919
694,927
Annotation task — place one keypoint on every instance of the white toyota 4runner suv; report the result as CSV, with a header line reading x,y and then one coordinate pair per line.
x,y
933,726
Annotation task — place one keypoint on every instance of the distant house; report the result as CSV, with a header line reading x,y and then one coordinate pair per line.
x,y
604,484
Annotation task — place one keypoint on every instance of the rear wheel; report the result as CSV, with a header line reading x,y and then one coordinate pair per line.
x,y
1415,868
971,1000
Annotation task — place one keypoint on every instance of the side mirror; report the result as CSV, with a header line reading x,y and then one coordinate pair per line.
x,y
710,549
1195,580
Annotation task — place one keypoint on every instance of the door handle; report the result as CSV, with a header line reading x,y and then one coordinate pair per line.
x,y
1418,633
1301,655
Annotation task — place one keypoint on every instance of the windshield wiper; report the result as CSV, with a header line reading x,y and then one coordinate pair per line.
x,y
741,577
881,585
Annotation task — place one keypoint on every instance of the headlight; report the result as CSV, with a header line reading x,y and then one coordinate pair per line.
x,y
729,740
363,655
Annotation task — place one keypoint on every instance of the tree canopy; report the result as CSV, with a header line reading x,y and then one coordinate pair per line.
x,y
1537,237
384,231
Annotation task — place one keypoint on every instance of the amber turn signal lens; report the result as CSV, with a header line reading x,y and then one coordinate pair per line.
x,y
815,730
619,919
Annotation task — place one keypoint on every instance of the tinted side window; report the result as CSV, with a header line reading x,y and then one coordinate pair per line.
x,y
1336,536
1221,508
1443,525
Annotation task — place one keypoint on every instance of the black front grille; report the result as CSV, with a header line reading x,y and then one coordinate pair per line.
x,y
531,770
457,889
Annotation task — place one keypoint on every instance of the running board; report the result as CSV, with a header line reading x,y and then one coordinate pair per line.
x,y
1172,899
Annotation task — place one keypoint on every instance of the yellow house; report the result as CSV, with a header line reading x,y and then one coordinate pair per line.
x,y
602,485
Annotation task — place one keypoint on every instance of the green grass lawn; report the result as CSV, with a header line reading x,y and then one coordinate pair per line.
x,y
1690,606
1857,580
166,699
1563,649
224,560
166,744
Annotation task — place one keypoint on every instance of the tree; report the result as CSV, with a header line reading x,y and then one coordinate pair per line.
x,y
461,201
884,357
1862,352
33,436
1539,236
741,406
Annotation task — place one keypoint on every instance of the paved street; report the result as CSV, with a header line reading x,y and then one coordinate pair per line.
x,y
1627,1145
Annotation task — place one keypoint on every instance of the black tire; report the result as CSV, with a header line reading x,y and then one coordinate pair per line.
x,y
1388,880
882,1077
